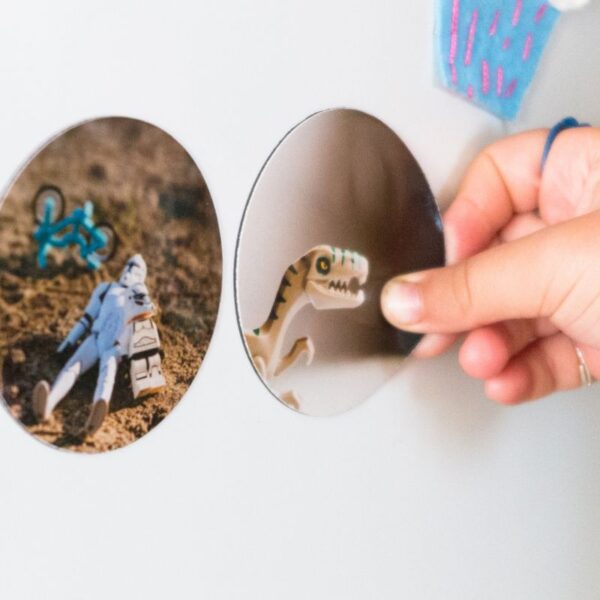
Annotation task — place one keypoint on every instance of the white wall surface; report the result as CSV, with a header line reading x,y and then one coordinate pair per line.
x,y
427,491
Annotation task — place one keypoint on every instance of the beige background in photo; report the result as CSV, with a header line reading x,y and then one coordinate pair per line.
x,y
341,178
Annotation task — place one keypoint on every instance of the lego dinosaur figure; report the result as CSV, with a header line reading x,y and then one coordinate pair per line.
x,y
326,277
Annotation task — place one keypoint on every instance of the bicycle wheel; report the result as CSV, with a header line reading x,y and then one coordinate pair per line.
x,y
112,241
44,194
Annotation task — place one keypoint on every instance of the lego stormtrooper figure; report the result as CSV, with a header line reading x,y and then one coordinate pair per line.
x,y
117,321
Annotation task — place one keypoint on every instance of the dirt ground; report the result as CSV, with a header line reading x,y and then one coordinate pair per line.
x,y
149,189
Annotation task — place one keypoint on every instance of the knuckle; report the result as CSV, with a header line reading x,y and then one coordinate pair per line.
x,y
462,287
578,314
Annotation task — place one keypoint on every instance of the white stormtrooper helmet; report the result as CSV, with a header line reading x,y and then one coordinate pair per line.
x,y
139,305
134,271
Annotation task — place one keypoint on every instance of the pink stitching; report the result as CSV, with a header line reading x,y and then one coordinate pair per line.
x,y
506,43
510,90
485,77
454,31
494,25
454,74
472,30
499,80
527,47
540,12
517,13
470,91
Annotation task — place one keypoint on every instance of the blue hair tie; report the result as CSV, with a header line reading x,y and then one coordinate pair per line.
x,y
567,123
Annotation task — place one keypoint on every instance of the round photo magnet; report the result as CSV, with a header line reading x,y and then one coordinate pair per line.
x,y
340,207
110,280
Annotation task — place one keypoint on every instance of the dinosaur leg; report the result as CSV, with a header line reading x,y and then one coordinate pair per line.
x,y
260,365
290,399
302,346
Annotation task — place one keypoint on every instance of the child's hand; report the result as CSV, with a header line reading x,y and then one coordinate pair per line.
x,y
525,280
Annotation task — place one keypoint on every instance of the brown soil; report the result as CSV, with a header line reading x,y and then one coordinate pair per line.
x,y
149,189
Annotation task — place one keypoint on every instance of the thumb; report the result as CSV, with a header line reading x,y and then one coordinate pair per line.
x,y
540,275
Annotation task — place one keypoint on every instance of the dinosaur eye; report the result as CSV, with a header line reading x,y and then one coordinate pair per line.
x,y
323,265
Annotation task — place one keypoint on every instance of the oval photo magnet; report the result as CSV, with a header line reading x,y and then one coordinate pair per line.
x,y
340,207
110,283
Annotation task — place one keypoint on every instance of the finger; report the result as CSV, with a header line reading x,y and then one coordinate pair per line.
x,y
487,350
546,366
570,184
434,345
531,277
521,226
502,181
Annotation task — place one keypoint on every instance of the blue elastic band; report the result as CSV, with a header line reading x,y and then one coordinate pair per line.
x,y
567,123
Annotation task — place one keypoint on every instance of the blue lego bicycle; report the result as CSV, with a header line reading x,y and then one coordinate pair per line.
x,y
97,242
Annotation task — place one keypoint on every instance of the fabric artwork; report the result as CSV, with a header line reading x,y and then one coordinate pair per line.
x,y
489,50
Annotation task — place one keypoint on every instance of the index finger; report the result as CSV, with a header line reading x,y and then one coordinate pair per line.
x,y
502,181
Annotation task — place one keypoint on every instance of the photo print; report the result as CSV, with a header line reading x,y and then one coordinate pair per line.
x,y
110,281
340,207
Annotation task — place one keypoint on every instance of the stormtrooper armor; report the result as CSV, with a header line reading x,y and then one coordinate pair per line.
x,y
144,355
112,318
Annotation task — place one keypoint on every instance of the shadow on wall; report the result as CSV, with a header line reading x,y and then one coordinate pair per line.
x,y
457,418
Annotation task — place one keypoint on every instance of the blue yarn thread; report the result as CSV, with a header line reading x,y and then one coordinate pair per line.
x,y
566,123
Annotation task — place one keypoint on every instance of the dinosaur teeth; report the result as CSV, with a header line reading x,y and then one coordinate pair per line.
x,y
338,285
352,287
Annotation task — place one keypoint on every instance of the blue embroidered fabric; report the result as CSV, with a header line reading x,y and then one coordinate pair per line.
x,y
488,50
